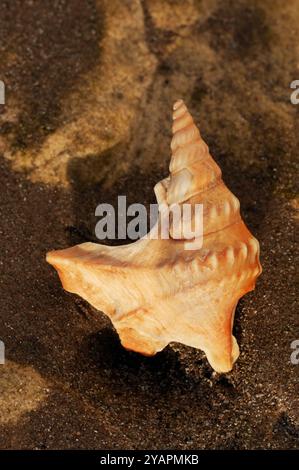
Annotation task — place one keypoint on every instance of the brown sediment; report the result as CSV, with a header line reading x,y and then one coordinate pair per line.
x,y
234,63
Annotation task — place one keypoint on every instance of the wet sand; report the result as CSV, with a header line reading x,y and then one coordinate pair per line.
x,y
67,382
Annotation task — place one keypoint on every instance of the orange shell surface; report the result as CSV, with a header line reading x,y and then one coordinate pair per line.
x,y
158,291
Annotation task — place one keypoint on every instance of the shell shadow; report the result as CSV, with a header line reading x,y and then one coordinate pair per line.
x,y
130,377
89,189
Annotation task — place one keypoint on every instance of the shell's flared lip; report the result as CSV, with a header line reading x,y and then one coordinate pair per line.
x,y
50,257
58,257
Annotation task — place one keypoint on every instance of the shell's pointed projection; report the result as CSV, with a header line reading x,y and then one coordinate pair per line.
x,y
158,291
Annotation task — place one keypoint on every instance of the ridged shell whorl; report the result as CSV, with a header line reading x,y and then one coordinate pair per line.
x,y
192,169
195,177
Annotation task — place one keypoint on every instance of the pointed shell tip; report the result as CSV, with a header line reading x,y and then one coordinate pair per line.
x,y
177,104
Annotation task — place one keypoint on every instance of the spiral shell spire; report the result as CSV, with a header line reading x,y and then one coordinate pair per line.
x,y
192,169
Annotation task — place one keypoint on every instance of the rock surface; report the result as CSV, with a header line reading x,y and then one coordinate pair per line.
x,y
90,86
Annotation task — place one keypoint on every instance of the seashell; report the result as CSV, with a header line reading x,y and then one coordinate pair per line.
x,y
156,291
